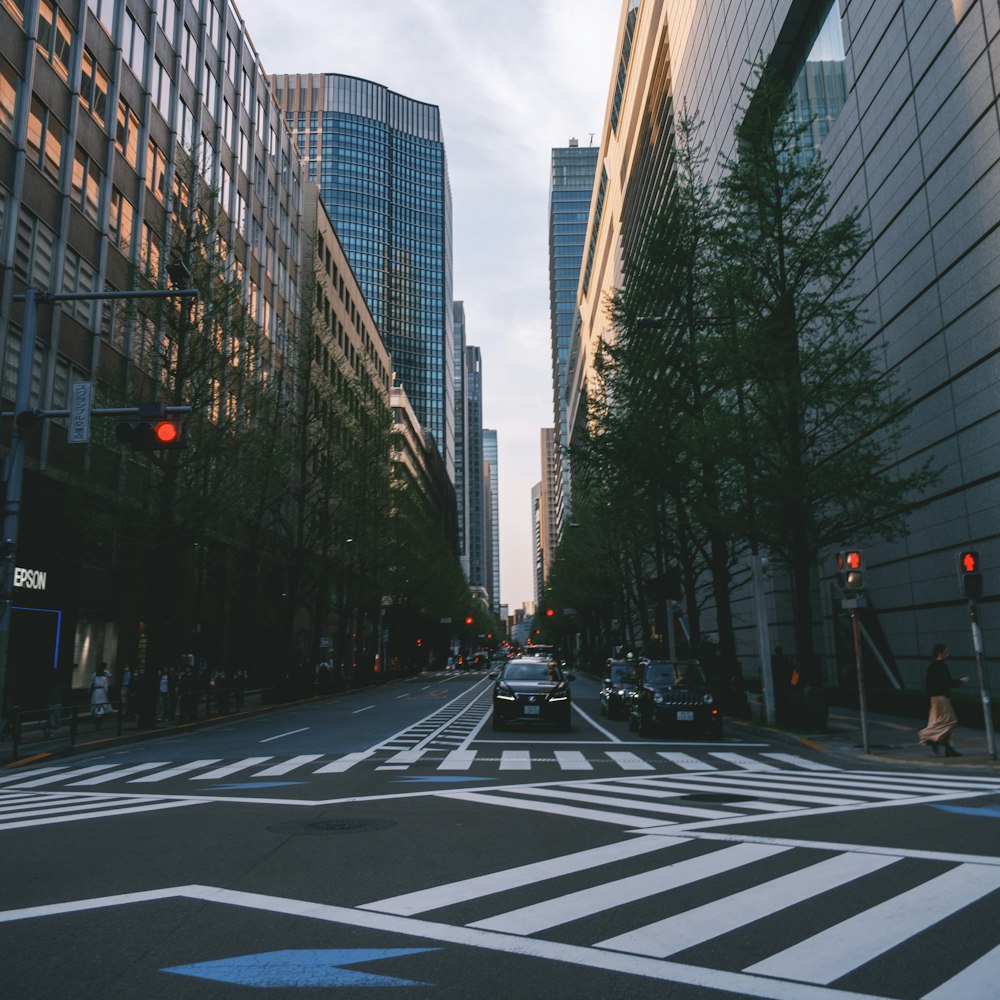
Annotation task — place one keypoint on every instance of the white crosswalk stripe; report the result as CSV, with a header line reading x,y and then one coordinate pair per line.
x,y
863,926
30,809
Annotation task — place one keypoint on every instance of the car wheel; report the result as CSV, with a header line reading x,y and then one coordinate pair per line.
x,y
632,724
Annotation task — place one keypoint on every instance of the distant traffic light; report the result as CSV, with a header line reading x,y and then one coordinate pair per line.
x,y
851,570
549,613
970,579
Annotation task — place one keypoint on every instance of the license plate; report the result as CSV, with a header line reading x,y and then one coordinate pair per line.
x,y
532,709
685,716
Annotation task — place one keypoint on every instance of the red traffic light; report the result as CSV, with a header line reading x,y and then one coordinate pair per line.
x,y
167,432
969,561
549,613
853,560
468,620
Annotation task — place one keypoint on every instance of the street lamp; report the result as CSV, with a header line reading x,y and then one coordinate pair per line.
x,y
24,417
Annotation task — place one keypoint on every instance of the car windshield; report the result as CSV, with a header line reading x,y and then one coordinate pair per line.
x,y
621,673
528,671
675,675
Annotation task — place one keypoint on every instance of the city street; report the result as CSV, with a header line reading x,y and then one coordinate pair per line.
x,y
389,838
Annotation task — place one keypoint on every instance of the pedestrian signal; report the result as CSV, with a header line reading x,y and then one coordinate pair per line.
x,y
851,570
970,579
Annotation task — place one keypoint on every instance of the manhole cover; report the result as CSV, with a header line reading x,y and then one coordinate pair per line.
x,y
333,826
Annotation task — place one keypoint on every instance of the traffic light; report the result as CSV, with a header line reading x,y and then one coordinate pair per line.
x,y
851,570
152,430
970,579
549,613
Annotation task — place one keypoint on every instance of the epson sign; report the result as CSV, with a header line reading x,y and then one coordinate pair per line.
x,y
29,579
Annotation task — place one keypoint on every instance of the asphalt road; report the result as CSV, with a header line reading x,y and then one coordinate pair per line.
x,y
389,840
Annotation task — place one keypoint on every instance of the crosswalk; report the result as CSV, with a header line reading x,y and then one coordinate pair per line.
x,y
29,808
707,799
215,769
850,914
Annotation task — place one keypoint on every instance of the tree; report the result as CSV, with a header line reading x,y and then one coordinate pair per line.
x,y
816,416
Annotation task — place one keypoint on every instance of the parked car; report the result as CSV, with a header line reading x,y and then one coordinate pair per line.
x,y
673,696
618,680
531,690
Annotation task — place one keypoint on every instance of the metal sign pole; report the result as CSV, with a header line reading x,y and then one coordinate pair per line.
x,y
984,693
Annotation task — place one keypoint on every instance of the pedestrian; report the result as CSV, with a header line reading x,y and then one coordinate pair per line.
x,y
942,720
163,695
100,704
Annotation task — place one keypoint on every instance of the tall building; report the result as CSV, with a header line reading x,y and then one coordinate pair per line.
x,y
536,541
571,185
547,504
491,463
461,438
902,100
380,162
475,493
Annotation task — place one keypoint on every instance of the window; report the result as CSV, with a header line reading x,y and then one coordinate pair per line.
x,y
189,53
160,88
120,221
45,138
104,10
16,8
156,170
187,127
94,87
54,34
231,59
86,184
34,247
8,96
820,90
149,251
133,44
167,18
78,276
211,92
127,134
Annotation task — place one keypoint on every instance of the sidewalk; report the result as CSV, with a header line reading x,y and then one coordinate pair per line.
x,y
891,739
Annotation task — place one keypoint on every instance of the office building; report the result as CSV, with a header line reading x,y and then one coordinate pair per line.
x,y
491,465
571,185
379,159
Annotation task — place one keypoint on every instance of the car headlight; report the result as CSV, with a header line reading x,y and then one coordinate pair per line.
x,y
708,699
658,698
559,694
504,694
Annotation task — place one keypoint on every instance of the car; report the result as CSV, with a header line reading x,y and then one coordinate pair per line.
x,y
618,680
532,690
674,696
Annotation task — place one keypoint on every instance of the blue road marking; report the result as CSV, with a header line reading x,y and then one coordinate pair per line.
x,y
988,812
300,968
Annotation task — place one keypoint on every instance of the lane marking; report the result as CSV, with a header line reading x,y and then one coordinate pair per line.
x,y
281,736
358,711
289,765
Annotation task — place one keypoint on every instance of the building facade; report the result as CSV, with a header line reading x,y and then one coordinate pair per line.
x,y
491,466
461,438
125,127
476,494
379,159
903,100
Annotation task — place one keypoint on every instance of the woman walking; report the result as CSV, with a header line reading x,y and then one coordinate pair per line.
x,y
942,720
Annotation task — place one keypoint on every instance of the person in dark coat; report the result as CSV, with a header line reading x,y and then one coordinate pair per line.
x,y
942,720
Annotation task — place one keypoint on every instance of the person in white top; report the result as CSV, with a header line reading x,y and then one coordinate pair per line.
x,y
100,703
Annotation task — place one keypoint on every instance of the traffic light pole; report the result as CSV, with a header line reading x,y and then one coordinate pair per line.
x,y
851,604
24,417
977,645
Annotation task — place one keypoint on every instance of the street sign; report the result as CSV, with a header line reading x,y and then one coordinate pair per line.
x,y
81,396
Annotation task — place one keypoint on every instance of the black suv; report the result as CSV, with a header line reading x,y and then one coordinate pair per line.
x,y
531,690
673,696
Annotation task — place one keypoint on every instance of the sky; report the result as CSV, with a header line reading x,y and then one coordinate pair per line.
x,y
513,79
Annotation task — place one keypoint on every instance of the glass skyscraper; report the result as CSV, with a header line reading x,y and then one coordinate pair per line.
x,y
379,159
570,189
